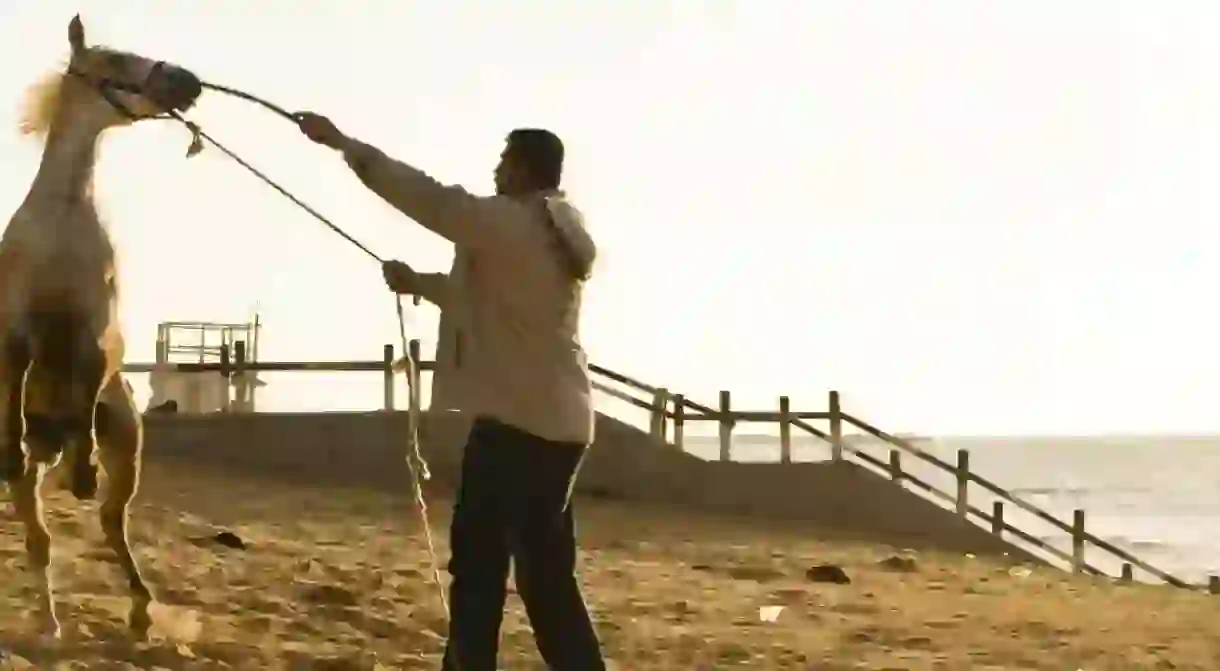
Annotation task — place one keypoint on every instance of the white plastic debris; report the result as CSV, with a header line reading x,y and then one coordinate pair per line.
x,y
770,613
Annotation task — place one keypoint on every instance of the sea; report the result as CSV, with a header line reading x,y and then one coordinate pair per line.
x,y
1157,497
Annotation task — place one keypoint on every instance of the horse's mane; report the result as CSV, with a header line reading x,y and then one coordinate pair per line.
x,y
41,104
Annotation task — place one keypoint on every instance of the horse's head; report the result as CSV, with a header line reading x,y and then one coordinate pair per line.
x,y
68,363
127,87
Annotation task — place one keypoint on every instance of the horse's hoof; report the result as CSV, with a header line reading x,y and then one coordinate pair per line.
x,y
50,631
84,484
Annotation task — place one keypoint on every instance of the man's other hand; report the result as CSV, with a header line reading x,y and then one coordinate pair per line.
x,y
399,277
319,129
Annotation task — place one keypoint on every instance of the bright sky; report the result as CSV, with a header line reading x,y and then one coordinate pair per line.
x,y
969,217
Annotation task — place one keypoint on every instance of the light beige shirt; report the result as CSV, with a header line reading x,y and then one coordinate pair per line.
x,y
446,375
509,297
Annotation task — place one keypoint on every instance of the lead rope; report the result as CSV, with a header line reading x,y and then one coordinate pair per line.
x,y
416,463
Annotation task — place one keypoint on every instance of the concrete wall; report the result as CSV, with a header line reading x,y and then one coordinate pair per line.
x,y
367,449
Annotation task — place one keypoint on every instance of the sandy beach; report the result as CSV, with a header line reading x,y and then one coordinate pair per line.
x,y
339,579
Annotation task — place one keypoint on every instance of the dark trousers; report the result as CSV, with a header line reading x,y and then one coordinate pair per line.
x,y
513,501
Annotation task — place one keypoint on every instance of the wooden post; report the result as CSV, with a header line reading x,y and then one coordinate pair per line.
x,y
963,482
997,517
415,396
387,376
1128,574
660,404
896,466
226,373
194,391
726,426
665,411
679,421
785,431
157,379
254,339
836,428
1213,584
652,415
1078,541
239,376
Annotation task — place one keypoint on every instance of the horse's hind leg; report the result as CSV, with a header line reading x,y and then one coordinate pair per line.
x,y
27,502
119,437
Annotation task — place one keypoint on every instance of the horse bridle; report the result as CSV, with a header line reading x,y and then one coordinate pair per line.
x,y
106,87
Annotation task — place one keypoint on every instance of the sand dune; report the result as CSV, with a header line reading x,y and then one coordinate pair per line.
x,y
338,579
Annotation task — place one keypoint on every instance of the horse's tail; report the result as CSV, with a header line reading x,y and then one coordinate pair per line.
x,y
53,334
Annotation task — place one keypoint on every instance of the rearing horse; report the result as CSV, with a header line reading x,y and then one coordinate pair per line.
x,y
61,347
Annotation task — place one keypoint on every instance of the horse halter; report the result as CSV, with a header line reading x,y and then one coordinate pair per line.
x,y
106,87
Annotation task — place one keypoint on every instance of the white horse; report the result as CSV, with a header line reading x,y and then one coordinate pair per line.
x,y
61,346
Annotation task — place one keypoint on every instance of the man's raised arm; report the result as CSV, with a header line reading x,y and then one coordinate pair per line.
x,y
449,211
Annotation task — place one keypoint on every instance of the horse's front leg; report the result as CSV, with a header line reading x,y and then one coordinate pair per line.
x,y
27,503
84,472
14,360
12,425
119,430
12,430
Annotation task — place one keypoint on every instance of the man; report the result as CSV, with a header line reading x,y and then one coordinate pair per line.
x,y
523,257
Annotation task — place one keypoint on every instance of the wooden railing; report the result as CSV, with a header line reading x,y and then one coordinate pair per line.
x,y
670,413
